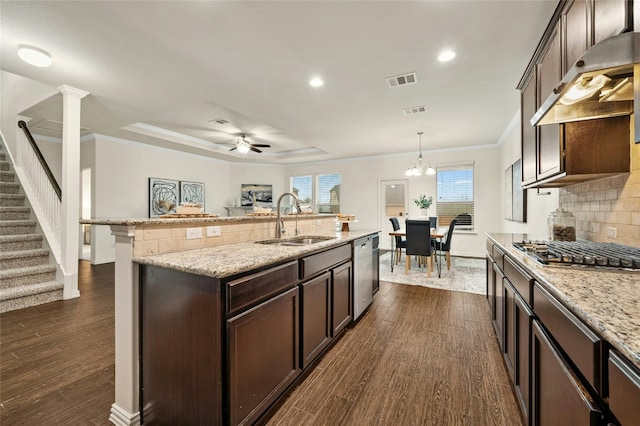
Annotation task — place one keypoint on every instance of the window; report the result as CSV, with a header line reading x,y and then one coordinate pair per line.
x,y
323,194
455,196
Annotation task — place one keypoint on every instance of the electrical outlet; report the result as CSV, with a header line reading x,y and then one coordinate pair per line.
x,y
213,231
612,232
193,233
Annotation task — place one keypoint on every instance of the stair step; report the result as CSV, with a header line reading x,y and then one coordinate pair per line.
x,y
9,188
6,176
17,227
26,276
23,258
25,296
12,200
14,213
4,166
20,242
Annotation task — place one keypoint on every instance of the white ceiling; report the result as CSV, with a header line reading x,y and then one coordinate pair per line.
x,y
159,71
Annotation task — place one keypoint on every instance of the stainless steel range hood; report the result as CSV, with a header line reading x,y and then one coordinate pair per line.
x,y
600,84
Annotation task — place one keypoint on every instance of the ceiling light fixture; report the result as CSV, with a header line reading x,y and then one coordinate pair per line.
x,y
446,55
316,82
418,168
34,56
243,146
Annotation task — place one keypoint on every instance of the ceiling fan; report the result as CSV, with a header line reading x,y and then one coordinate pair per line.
x,y
243,146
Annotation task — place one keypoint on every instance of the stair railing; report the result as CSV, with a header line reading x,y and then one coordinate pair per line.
x,y
41,188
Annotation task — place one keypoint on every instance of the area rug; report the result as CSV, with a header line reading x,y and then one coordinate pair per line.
x,y
466,274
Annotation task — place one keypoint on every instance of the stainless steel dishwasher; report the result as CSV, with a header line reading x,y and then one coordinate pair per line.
x,y
362,275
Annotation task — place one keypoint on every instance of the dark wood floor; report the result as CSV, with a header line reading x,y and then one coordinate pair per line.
x,y
419,356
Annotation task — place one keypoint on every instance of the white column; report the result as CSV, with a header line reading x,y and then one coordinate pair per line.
x,y
125,410
70,229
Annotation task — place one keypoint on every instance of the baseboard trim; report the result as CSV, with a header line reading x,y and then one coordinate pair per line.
x,y
121,417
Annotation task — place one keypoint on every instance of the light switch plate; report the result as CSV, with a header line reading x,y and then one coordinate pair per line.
x,y
612,232
194,233
213,231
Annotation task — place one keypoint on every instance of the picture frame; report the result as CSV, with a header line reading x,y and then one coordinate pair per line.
x,y
163,196
262,194
508,193
519,194
192,192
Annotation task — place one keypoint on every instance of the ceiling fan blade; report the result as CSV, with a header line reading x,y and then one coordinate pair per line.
x,y
261,145
233,148
254,149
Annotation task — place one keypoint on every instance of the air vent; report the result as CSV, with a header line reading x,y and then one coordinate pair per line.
x,y
415,110
219,121
402,80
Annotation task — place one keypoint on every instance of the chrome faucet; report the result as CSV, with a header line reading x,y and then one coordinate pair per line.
x,y
279,221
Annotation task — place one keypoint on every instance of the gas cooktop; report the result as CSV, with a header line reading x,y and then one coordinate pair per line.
x,y
582,253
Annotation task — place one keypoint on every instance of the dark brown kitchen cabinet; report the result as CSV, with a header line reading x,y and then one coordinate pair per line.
x,y
558,396
263,346
577,31
498,323
341,297
549,69
611,17
523,317
529,133
509,344
624,389
180,348
316,317
491,288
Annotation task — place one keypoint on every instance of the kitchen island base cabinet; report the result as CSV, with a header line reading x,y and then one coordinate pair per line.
x,y
558,397
341,295
263,355
624,389
181,375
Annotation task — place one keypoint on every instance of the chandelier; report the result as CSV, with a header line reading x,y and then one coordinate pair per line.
x,y
418,168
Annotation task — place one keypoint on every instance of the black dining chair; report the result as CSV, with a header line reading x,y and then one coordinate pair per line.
x,y
446,245
400,242
434,221
419,244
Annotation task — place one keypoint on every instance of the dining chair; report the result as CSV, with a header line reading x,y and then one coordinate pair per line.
x,y
400,242
446,245
434,221
419,244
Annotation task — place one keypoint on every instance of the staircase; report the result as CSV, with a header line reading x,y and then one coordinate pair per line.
x,y
27,275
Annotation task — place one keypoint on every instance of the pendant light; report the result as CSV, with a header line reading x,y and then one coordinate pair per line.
x,y
417,169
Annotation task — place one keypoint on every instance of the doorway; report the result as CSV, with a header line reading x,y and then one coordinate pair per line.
x,y
393,203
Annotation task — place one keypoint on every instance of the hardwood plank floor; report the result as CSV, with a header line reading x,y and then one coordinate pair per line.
x,y
419,356
57,359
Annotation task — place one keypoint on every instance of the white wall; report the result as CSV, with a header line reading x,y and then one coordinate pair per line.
x,y
266,174
538,206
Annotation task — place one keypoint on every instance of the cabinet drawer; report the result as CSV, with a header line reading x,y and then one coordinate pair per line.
x,y
498,257
624,389
581,345
247,291
311,265
519,279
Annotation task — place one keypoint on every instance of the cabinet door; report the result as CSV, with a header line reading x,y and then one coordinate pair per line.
x,y
624,389
577,32
509,346
610,17
341,295
316,310
528,132
550,151
376,270
491,288
498,323
522,329
263,355
558,398
550,67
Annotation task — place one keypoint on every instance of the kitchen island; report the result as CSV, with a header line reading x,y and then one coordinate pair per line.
x,y
228,268
570,335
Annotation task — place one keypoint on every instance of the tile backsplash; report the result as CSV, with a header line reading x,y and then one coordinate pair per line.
x,y
606,206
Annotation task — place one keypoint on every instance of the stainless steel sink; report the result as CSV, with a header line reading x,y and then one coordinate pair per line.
x,y
297,241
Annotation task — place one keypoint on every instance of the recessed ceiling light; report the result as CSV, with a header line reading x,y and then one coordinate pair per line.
x,y
34,56
446,55
316,82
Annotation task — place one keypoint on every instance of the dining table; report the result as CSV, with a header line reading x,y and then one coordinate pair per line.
x,y
437,233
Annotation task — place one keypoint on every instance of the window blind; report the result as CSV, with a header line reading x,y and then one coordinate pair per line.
x,y
454,195
328,193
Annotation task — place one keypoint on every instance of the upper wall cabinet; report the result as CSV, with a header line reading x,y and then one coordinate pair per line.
x,y
575,26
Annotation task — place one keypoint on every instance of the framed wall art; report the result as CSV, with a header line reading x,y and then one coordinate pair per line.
x,y
163,196
192,192
261,195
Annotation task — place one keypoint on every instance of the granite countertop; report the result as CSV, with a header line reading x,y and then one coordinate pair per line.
x,y
225,261
609,302
178,220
